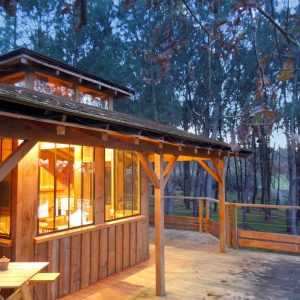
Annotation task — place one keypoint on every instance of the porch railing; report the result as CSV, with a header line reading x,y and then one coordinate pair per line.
x,y
270,227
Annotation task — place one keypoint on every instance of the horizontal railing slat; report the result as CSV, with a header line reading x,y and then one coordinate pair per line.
x,y
268,236
285,247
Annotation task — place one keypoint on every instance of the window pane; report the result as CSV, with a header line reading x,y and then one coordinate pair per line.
x,y
76,187
62,186
108,186
128,183
87,185
119,183
122,191
5,190
135,185
46,187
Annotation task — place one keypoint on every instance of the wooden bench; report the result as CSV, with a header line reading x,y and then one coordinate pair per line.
x,y
44,277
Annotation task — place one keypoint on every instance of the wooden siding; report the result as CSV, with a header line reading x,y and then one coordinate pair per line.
x,y
82,255
90,256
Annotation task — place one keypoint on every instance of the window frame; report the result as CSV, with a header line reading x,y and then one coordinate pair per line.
x,y
54,231
113,182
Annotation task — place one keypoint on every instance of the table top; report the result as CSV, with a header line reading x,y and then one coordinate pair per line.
x,y
19,272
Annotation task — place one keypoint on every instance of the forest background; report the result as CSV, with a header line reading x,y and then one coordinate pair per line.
x,y
228,70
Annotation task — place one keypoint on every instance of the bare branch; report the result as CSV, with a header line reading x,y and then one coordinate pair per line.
x,y
195,17
286,34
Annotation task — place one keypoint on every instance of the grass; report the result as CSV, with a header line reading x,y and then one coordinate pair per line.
x,y
255,217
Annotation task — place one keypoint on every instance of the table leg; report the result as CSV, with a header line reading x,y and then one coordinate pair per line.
x,y
25,291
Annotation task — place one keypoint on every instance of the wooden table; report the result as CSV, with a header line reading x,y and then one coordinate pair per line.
x,y
18,274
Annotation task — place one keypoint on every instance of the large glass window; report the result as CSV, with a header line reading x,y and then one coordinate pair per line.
x,y
122,196
66,186
5,190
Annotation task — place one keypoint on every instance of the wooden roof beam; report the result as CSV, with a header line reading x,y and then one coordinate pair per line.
x,y
15,157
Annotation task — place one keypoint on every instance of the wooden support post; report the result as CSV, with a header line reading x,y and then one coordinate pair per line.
x,y
29,78
110,103
234,227
159,226
222,207
13,159
228,227
200,215
207,209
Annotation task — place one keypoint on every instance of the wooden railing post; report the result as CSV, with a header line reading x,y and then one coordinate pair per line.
x,y
234,227
207,215
228,226
207,212
200,215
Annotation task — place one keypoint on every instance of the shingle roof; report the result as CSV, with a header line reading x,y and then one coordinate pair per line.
x,y
36,104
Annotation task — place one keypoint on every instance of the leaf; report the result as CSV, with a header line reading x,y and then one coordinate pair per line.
x,y
128,4
285,75
264,61
257,119
287,72
9,6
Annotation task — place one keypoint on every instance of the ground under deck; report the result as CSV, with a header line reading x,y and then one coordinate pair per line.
x,y
196,270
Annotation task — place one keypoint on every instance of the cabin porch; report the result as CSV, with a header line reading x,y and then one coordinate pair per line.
x,y
195,269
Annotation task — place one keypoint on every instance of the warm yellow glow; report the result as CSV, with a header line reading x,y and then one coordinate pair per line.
x,y
109,153
46,145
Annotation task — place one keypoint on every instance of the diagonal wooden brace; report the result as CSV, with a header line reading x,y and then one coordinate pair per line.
x,y
147,168
209,170
15,157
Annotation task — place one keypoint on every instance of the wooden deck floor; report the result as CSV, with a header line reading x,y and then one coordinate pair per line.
x,y
196,270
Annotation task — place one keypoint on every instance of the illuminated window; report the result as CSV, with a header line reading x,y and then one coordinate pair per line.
x,y
5,190
66,186
92,100
53,86
122,196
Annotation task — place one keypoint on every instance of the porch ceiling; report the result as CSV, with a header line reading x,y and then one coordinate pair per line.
x,y
28,114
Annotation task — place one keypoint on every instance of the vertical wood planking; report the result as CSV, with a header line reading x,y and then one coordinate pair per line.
x,y
6,251
85,259
41,254
126,245
75,262
64,266
53,257
139,241
95,256
111,250
132,252
103,253
119,248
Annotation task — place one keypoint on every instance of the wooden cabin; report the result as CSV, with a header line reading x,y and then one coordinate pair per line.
x,y
74,174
